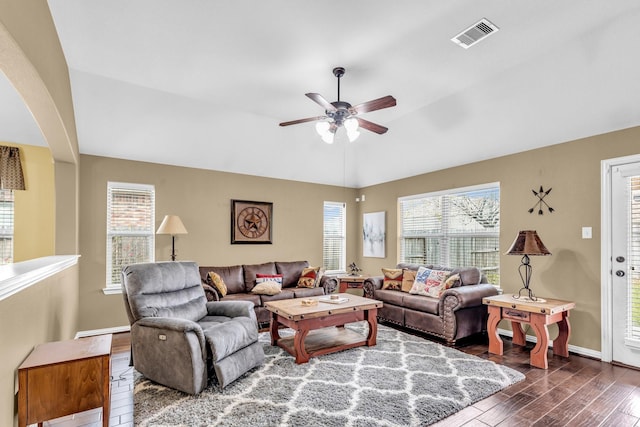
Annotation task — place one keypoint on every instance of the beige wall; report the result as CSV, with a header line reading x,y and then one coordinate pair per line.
x,y
573,171
34,207
32,59
202,200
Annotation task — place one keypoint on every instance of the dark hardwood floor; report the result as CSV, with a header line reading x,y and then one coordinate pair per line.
x,y
574,391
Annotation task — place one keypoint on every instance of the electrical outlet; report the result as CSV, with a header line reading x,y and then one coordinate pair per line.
x,y
587,233
162,337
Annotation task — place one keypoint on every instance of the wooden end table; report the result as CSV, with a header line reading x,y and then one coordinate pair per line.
x,y
350,282
538,315
313,325
63,378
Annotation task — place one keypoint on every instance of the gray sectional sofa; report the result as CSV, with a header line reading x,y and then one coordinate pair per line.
x,y
456,314
241,279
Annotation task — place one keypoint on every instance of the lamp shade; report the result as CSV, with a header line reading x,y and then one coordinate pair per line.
x,y
528,242
171,224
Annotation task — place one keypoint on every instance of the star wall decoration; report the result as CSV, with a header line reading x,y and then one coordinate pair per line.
x,y
538,206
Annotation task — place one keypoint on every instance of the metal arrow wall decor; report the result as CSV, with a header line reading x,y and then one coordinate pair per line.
x,y
538,206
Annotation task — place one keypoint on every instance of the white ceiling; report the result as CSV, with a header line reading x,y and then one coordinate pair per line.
x,y
204,83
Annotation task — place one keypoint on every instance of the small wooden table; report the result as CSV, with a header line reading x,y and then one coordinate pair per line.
x,y
350,282
63,378
538,315
315,335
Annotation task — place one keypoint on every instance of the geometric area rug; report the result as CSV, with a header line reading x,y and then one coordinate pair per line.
x,y
403,380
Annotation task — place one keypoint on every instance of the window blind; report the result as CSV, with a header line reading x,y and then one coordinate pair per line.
x,y
633,244
130,227
334,237
6,226
459,227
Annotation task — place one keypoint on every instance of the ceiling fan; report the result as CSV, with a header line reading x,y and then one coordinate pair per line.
x,y
339,113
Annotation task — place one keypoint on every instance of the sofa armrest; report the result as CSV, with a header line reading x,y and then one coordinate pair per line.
x,y
469,295
329,283
210,293
371,284
231,309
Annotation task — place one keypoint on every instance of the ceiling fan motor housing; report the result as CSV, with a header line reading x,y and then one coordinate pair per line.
x,y
341,113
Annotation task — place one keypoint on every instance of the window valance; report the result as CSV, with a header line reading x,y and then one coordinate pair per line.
x,y
11,176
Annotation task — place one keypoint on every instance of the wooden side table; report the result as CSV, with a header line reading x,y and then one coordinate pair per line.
x,y
63,378
538,315
350,282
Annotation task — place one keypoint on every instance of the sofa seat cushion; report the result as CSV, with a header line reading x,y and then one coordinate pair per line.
x,y
308,292
291,272
286,293
390,297
420,303
255,299
228,337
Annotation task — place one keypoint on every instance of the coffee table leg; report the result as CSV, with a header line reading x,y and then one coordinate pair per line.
x,y
372,320
518,334
495,342
273,327
298,344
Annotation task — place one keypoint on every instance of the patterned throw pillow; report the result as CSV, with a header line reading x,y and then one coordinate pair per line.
x,y
309,278
452,281
261,278
392,278
408,277
429,282
268,287
218,284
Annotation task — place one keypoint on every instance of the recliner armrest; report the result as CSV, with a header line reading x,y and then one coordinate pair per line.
x,y
469,295
231,309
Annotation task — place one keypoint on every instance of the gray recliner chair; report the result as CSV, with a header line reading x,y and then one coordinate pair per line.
x,y
177,337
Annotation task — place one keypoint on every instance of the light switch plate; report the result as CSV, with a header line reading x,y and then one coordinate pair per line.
x,y
587,233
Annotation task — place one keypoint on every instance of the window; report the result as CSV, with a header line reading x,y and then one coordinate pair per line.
x,y
457,228
6,226
334,254
130,227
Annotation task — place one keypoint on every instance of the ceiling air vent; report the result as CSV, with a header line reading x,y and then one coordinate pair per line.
x,y
475,33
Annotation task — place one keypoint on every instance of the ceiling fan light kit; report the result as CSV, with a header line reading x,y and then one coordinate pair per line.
x,y
340,113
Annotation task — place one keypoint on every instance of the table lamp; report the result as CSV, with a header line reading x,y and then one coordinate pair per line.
x,y
527,243
171,224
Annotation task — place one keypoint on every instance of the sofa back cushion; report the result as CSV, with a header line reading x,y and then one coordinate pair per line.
x,y
232,276
291,272
250,271
468,275
163,289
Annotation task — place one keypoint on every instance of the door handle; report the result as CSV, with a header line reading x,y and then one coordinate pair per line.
x,y
620,273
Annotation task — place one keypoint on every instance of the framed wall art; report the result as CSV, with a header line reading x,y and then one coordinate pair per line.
x,y
373,235
251,222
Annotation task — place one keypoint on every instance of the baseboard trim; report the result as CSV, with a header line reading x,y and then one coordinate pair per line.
x,y
94,332
587,352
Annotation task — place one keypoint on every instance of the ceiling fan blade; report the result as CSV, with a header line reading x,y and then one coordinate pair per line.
x,y
366,124
376,104
308,119
319,99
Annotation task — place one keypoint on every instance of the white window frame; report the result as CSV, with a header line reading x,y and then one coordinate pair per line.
x,y
444,234
343,236
8,233
113,288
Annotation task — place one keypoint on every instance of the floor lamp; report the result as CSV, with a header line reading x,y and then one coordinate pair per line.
x,y
171,224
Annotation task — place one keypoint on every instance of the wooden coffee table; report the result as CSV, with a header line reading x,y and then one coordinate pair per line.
x,y
316,333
